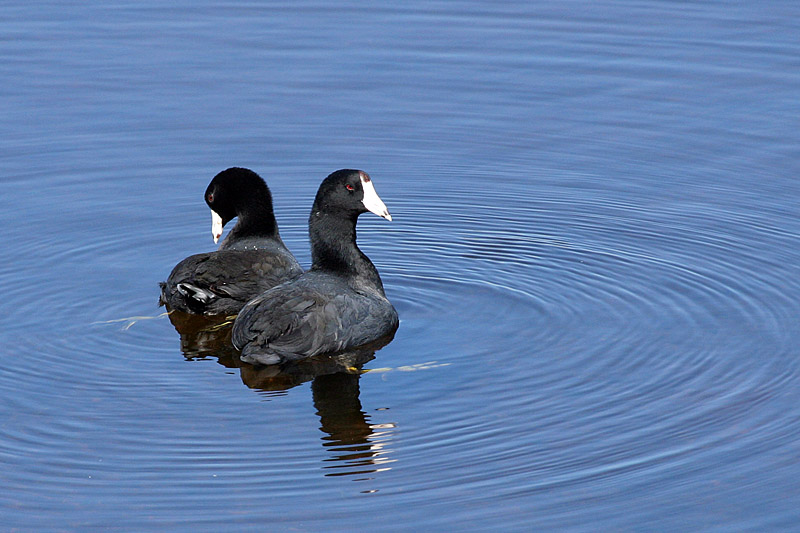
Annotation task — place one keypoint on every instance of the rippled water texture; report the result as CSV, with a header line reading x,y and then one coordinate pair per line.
x,y
594,255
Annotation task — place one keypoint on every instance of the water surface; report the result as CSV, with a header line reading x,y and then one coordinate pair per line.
x,y
594,256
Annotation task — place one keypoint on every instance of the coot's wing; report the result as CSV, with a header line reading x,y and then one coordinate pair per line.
x,y
221,282
298,319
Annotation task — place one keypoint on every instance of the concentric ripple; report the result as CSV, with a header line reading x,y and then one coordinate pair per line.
x,y
571,339
647,340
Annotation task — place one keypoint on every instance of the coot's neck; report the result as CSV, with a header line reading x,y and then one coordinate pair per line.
x,y
334,249
254,220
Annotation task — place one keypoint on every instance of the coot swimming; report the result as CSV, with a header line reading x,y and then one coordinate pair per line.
x,y
250,260
336,305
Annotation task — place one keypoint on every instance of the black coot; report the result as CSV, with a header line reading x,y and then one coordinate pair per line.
x,y
250,260
339,303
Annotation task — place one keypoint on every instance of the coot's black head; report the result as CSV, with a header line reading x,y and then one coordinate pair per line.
x,y
350,193
237,192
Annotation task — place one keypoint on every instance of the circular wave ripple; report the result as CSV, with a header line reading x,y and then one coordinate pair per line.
x,y
588,344
632,337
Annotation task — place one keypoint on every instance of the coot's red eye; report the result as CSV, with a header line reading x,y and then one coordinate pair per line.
x,y
350,187
211,198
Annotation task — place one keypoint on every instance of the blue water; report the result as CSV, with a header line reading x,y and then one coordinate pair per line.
x,y
594,255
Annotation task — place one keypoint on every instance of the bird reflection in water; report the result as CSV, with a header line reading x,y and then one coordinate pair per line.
x,y
358,447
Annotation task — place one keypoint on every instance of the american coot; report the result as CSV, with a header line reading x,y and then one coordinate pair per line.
x,y
339,303
250,260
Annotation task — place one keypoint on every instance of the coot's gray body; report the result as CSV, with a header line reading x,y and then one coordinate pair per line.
x,y
340,302
252,259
